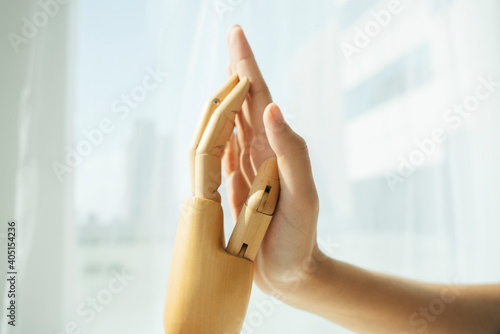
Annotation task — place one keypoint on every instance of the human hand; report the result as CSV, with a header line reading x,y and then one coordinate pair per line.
x,y
261,132
289,263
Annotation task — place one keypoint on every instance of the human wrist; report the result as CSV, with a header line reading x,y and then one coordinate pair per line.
x,y
311,279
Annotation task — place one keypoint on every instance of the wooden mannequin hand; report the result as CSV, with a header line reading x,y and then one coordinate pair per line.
x,y
208,288
290,243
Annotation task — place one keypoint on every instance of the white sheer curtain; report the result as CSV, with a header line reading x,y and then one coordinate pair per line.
x,y
37,83
139,74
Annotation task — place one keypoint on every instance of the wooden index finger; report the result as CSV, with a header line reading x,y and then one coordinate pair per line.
x,y
212,104
207,164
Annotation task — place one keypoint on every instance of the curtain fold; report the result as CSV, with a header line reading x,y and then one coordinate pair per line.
x,y
39,117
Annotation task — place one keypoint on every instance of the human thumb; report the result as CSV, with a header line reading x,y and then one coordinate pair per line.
x,y
291,150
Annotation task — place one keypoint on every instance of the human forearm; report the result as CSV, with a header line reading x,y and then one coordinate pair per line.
x,y
370,302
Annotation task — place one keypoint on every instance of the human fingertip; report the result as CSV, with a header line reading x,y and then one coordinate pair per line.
x,y
236,34
276,114
234,26
230,30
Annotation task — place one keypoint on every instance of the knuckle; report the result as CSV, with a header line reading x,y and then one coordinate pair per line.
x,y
300,146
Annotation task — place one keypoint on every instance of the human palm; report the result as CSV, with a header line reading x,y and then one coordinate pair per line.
x,y
290,243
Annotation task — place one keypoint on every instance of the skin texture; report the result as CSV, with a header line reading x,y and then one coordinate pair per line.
x,y
262,133
290,265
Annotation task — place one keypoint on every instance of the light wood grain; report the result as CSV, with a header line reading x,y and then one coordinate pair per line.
x,y
208,288
207,162
256,213
209,108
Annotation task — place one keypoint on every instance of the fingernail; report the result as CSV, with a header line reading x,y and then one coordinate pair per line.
x,y
231,34
277,115
234,26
